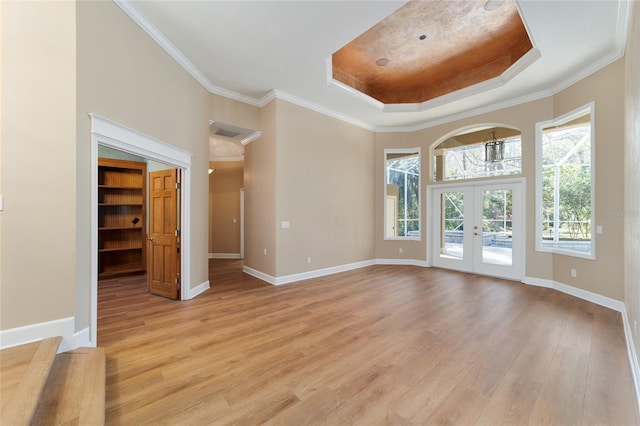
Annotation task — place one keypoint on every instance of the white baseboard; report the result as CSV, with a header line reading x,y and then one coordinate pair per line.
x,y
34,332
286,279
538,282
598,299
260,275
410,262
633,356
224,256
82,338
191,293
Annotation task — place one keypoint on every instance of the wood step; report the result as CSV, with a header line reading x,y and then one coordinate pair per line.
x,y
20,399
75,391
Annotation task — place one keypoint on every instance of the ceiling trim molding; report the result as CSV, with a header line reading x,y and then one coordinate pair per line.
x,y
279,94
267,98
476,89
618,50
520,65
334,84
217,90
624,20
129,8
575,78
467,114
252,137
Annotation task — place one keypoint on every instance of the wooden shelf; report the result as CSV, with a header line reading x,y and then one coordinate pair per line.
x,y
118,187
121,201
115,249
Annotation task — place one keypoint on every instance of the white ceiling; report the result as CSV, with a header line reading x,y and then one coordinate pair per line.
x,y
255,50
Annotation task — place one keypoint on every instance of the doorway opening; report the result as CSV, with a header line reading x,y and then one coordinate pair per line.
x,y
108,134
226,209
478,227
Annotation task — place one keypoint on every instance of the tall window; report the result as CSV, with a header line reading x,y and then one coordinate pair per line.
x,y
565,178
402,194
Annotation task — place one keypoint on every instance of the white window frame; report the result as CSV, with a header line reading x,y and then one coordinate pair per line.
x,y
485,175
578,112
384,165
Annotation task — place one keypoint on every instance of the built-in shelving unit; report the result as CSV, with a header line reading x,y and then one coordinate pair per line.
x,y
121,217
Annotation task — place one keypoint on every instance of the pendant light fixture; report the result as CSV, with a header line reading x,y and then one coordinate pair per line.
x,y
494,149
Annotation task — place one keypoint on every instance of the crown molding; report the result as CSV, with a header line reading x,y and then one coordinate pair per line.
x,y
217,90
322,110
618,52
466,114
129,8
252,137
267,98
520,65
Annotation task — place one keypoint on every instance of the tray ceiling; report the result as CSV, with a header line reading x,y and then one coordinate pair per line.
x,y
254,51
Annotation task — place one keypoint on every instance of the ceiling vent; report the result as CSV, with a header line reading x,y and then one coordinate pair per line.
x,y
226,133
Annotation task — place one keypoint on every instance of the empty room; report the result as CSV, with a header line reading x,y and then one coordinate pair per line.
x,y
320,212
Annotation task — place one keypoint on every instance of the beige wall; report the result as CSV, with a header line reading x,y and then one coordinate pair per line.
x,y
232,112
63,60
604,275
224,206
38,168
324,185
522,117
260,196
632,176
123,75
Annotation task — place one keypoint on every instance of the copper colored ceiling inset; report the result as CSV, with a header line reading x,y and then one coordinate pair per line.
x,y
428,48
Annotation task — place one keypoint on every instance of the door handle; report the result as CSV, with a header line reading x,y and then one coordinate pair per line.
x,y
150,238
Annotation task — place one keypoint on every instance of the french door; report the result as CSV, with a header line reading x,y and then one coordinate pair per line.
x,y
478,228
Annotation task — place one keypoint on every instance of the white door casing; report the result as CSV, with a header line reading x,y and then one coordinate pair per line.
x,y
471,255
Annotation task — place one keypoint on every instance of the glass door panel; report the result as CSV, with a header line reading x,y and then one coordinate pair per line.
x,y
452,224
453,241
497,227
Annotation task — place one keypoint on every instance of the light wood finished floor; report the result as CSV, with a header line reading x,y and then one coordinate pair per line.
x,y
395,345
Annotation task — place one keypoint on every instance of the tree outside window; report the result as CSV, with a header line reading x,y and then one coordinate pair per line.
x,y
403,172
565,196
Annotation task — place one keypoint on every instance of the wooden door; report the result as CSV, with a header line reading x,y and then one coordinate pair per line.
x,y
163,254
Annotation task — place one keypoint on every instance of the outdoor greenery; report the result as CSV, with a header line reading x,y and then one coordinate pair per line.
x,y
467,162
404,172
566,183
453,211
496,211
